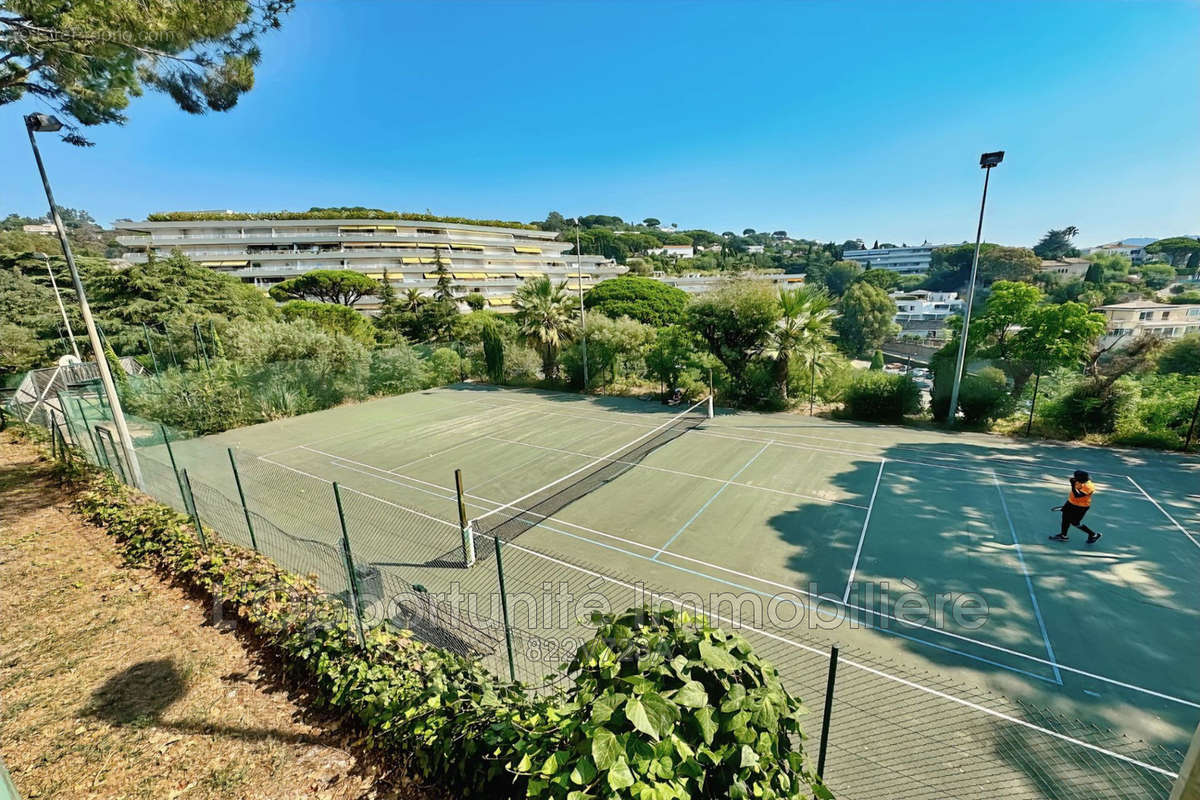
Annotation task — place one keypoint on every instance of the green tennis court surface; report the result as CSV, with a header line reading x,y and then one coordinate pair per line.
x,y
923,554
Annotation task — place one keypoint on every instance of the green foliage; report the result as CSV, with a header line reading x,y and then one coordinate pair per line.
x,y
340,212
881,397
983,396
1160,412
735,322
615,348
950,267
866,320
1179,249
883,278
445,366
20,349
877,362
1089,405
87,59
805,324
331,317
674,352
1057,335
396,370
663,705
493,352
642,299
475,301
420,319
1008,307
840,275
1056,244
1156,276
342,286
545,315
1181,356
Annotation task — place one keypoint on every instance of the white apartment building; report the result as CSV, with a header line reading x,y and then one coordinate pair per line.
x,y
673,250
491,260
753,249
44,228
923,313
1127,320
905,260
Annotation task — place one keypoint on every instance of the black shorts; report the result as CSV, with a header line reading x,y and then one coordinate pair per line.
x,y
1072,513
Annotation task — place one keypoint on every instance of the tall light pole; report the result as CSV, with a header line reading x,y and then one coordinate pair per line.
x,y
986,162
582,317
44,123
61,307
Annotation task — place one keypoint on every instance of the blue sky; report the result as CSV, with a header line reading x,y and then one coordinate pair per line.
x,y
828,120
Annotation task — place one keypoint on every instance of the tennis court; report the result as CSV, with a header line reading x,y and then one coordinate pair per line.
x,y
923,554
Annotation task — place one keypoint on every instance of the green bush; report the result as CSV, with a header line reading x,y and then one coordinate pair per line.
x,y
877,362
445,366
332,318
475,301
880,397
397,370
493,352
983,396
663,705
1181,355
1088,406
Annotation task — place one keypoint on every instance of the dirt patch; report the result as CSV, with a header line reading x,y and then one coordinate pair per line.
x,y
114,684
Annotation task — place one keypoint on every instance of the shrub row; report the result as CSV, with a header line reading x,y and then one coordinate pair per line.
x,y
661,704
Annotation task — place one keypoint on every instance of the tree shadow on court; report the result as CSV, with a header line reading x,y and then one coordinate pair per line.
x,y
939,521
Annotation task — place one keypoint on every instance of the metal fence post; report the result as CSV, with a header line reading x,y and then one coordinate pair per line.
x,y
833,662
349,559
190,503
150,348
237,479
174,467
468,536
512,668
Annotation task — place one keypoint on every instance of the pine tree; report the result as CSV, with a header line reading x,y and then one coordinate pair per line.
x,y
387,295
445,288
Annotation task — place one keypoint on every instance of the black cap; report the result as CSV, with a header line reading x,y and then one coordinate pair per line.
x,y
1080,475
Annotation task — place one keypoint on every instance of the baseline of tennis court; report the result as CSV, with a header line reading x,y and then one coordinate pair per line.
x,y
862,531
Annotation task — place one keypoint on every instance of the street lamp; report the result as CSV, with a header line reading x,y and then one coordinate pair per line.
x,y
61,307
986,162
44,123
582,317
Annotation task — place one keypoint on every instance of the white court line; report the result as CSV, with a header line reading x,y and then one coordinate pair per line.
x,y
708,503
1164,511
973,470
871,670
1037,611
863,534
686,474
450,426
448,494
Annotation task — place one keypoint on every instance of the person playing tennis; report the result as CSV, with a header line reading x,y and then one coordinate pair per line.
x,y
1079,500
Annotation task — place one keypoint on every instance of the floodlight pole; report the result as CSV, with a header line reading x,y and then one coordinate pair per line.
x,y
582,317
960,364
106,379
61,307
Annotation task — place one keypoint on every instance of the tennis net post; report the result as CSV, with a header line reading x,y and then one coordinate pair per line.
x,y
464,525
829,684
512,667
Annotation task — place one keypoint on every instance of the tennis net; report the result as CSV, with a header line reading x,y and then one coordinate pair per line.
x,y
537,506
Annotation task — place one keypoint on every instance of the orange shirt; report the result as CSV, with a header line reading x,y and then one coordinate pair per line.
x,y
1087,488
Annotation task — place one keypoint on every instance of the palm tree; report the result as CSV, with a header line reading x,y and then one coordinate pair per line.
x,y
412,299
805,324
545,316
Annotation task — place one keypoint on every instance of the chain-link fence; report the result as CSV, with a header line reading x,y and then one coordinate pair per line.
x,y
893,732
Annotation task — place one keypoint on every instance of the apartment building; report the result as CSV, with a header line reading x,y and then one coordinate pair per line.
x,y
1128,320
491,260
673,250
923,314
905,260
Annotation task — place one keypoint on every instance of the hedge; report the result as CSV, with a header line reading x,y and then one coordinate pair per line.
x,y
881,397
329,213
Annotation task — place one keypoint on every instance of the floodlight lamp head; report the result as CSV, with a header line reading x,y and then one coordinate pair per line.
x,y
989,160
43,123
